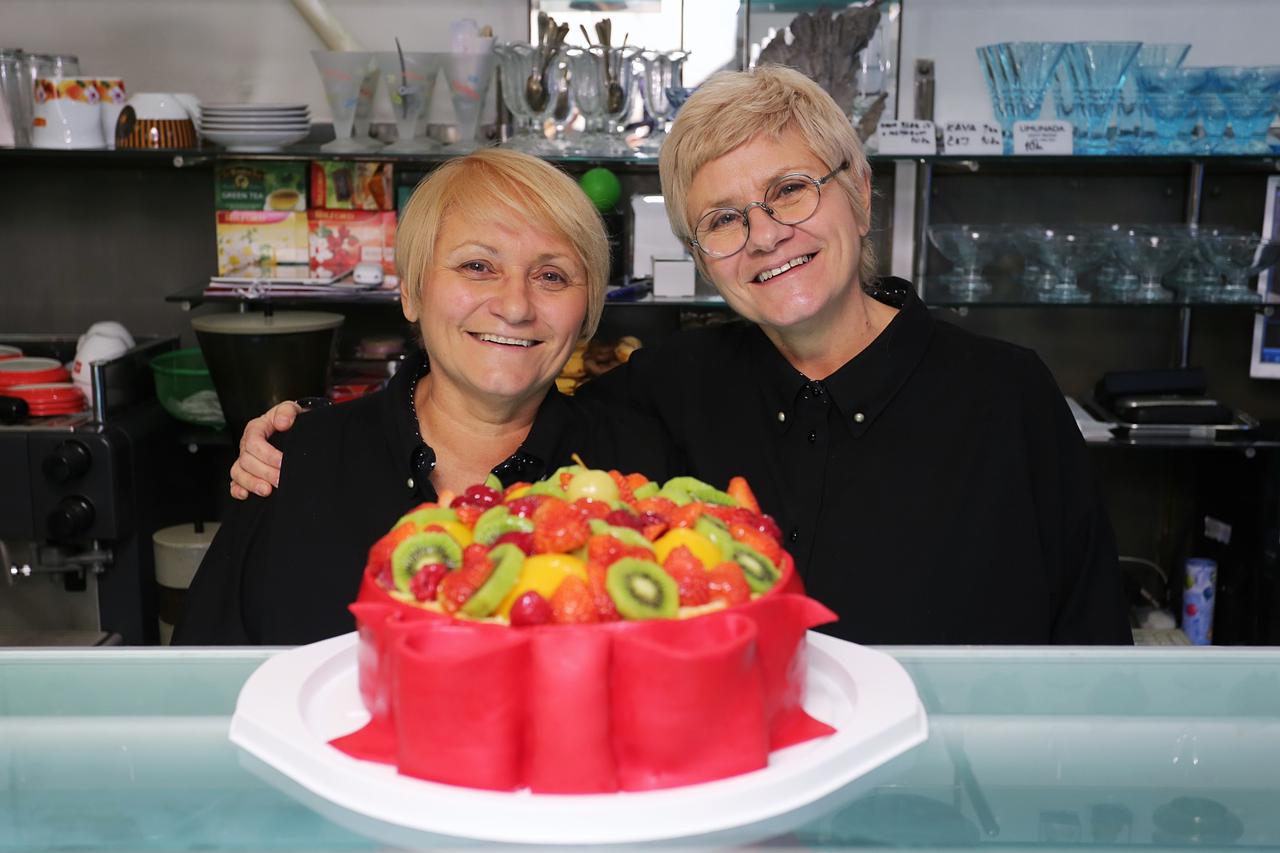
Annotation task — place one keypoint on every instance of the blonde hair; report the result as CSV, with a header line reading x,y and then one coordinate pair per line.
x,y
493,181
733,107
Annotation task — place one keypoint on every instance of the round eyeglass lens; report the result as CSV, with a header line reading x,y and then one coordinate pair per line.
x,y
789,201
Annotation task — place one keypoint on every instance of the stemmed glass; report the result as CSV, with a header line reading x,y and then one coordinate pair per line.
x,y
1169,98
1017,76
1115,276
411,78
969,248
1066,252
346,74
1130,124
1152,253
601,78
661,73
1249,96
1096,71
518,63
1239,257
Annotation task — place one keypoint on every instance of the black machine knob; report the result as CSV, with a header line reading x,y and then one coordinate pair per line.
x,y
69,461
72,517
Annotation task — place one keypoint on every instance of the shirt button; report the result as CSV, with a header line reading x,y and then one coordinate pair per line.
x,y
859,418
794,534
813,436
782,417
409,482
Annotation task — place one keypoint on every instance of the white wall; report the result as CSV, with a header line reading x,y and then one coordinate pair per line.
x,y
238,50
1220,32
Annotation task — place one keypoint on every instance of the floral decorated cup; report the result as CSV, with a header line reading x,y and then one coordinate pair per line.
x,y
111,95
67,114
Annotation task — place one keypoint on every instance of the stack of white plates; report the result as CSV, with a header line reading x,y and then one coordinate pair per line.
x,y
255,127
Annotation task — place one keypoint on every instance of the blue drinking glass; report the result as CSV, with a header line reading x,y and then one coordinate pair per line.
x,y
1169,101
1031,65
995,72
1249,98
1097,71
1131,124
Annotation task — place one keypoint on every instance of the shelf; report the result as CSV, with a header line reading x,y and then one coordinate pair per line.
x,y
187,157
196,296
1006,293
1260,440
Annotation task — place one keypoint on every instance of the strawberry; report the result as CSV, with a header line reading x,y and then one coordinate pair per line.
x,y
558,528
741,492
565,479
509,490
604,551
380,553
635,481
606,610
591,509
572,603
455,588
690,576
624,488
426,581
622,518
467,513
525,506
686,516
726,583
523,541
654,525
475,558
661,507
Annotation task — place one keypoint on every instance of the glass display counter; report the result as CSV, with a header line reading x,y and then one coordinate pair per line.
x,y
1148,747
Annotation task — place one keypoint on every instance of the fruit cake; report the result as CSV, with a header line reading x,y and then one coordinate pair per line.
x,y
589,633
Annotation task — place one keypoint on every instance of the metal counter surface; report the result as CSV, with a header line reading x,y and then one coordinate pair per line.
x,y
126,749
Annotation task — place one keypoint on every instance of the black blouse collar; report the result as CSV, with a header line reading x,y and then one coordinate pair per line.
x,y
529,462
863,386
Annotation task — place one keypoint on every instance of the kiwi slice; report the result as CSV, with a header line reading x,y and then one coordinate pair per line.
x,y
420,549
496,521
698,491
508,559
640,589
627,535
760,572
715,530
548,487
648,490
494,483
430,515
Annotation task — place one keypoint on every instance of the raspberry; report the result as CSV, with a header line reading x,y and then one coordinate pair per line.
x,y
690,577
622,518
606,610
726,583
426,581
523,541
524,507
591,509
558,528
572,603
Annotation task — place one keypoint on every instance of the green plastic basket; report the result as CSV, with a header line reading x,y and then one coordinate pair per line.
x,y
185,388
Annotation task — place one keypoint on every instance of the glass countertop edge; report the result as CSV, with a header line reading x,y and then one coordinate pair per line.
x,y
937,653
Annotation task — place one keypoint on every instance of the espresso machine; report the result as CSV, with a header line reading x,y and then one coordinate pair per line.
x,y
80,496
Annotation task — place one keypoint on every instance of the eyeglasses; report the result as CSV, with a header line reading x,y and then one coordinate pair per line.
x,y
789,200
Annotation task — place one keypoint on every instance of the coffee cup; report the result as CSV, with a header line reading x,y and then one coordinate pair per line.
x,y
67,114
111,94
154,120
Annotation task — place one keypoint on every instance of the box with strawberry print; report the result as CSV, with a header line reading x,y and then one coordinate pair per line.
x,y
670,609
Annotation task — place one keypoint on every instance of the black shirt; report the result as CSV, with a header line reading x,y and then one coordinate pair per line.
x,y
934,489
282,570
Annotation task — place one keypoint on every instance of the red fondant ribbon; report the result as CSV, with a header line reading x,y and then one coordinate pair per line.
x,y
626,706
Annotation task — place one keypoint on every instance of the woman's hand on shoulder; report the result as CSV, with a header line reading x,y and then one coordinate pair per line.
x,y
257,468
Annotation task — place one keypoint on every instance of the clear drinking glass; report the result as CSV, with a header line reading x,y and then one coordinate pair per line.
x,y
1066,252
344,74
969,248
468,75
1097,71
1239,257
410,79
661,72
12,81
518,62
1153,252
601,78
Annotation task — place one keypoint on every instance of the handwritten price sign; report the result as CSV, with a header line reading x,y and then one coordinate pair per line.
x,y
1042,137
971,137
913,138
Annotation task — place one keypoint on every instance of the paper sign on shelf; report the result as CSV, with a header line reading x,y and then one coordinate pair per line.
x,y
1042,137
907,137
971,137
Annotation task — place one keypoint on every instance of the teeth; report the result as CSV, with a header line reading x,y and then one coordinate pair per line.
x,y
499,339
794,262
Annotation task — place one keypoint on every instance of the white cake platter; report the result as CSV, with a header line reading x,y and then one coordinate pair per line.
x,y
299,700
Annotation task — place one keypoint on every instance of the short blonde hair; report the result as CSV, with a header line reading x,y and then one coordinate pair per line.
x,y
496,181
733,107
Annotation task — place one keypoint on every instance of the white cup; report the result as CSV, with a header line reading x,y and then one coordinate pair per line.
x,y
68,114
94,346
111,94
157,105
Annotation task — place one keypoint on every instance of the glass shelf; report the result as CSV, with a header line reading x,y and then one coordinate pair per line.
x,y
1006,293
196,296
